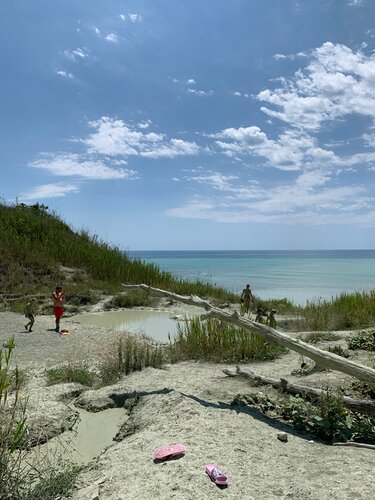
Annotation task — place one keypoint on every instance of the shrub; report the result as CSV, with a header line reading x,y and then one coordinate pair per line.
x,y
328,419
132,299
363,340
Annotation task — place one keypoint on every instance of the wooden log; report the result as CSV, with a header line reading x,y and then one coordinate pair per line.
x,y
358,405
322,358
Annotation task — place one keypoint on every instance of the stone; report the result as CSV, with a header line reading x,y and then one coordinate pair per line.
x,y
283,437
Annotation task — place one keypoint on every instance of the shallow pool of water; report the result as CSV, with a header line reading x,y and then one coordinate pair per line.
x,y
156,325
91,435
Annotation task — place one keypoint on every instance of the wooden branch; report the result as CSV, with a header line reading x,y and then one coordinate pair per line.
x,y
322,358
356,445
361,406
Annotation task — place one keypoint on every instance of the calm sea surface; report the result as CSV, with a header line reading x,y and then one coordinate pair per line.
x,y
296,275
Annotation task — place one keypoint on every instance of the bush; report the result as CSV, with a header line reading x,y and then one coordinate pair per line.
x,y
328,419
337,349
132,299
363,340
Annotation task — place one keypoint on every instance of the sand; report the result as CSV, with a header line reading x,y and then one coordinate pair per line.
x,y
189,403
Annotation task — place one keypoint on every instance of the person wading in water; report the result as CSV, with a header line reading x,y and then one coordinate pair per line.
x,y
247,299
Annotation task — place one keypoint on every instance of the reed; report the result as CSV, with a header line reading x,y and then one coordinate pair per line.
x,y
128,353
213,341
345,311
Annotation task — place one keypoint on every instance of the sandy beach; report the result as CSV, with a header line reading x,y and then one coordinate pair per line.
x,y
189,403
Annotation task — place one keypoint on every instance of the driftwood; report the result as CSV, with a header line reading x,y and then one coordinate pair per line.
x,y
361,406
356,445
321,358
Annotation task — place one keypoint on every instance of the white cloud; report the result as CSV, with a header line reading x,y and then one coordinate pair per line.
x,y
200,92
355,3
337,83
133,18
96,30
76,54
49,191
112,38
191,81
309,199
64,74
69,164
114,137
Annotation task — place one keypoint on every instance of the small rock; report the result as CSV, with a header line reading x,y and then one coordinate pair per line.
x,y
283,437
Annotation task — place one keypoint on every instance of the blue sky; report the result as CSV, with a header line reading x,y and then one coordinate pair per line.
x,y
200,124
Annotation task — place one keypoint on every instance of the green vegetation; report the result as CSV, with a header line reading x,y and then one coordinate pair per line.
x,y
315,337
19,478
363,340
35,243
213,341
126,354
340,351
347,311
77,373
328,419
130,299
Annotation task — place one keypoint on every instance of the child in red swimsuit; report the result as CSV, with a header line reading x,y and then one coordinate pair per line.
x,y
58,305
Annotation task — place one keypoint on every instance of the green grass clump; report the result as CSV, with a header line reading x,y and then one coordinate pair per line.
x,y
54,484
315,337
212,341
70,373
132,299
363,340
126,354
344,312
340,351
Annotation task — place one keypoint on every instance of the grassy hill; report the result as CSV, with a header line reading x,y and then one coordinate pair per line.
x,y
38,250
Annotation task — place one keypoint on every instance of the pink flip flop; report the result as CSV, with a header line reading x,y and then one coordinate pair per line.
x,y
171,451
216,475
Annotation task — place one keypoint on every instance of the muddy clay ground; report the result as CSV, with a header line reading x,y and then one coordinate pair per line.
x,y
186,403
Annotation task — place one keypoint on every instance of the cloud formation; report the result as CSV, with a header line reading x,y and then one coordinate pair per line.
x,y
114,137
49,191
69,165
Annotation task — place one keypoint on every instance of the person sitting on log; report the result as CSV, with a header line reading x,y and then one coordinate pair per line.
x,y
259,315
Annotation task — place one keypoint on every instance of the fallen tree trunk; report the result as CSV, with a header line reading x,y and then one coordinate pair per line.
x,y
322,358
361,406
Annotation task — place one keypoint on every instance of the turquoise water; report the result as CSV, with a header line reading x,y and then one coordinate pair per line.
x,y
296,275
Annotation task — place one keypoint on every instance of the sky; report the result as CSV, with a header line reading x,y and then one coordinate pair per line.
x,y
193,125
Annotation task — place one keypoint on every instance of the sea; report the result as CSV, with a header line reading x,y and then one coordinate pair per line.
x,y
297,275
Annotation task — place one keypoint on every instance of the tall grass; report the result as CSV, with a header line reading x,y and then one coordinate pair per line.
x,y
346,311
34,243
213,341
128,353
19,478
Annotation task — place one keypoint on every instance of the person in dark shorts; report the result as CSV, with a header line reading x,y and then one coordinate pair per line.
x,y
247,298
58,305
30,314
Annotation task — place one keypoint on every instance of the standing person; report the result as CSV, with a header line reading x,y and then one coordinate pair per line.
x,y
58,305
30,314
247,298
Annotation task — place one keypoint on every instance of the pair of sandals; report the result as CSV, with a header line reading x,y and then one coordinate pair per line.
x,y
178,450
